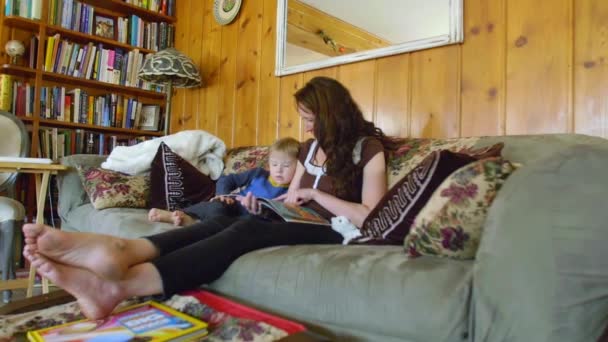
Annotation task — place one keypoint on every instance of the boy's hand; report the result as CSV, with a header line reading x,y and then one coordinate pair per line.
x,y
250,202
226,199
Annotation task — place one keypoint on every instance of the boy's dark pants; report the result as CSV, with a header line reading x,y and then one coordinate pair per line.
x,y
203,210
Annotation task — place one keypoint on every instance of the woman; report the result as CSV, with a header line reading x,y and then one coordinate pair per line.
x,y
340,173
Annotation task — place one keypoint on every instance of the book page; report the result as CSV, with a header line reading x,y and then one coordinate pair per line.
x,y
294,213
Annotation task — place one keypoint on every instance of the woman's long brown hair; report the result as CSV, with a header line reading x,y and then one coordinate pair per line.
x,y
338,124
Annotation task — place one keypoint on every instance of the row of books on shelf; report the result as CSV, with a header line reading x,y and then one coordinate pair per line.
x,y
108,110
78,106
166,7
16,96
148,35
89,61
56,143
31,9
73,15
94,62
133,30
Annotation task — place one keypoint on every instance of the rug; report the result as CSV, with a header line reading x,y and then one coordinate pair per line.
x,y
228,321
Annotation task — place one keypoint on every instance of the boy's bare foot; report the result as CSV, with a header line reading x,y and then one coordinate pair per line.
x,y
96,296
181,219
102,254
160,215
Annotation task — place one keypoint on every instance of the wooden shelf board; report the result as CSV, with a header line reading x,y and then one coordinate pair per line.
x,y
17,70
51,76
83,37
103,129
26,118
22,23
123,7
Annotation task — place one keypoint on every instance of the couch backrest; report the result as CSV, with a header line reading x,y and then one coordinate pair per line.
x,y
522,149
241,159
518,148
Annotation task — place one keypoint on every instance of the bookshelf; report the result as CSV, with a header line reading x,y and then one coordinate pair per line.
x,y
40,78
148,27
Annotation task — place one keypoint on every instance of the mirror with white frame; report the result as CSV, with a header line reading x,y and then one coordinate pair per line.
x,y
314,34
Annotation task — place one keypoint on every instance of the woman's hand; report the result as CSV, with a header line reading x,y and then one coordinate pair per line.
x,y
250,202
298,196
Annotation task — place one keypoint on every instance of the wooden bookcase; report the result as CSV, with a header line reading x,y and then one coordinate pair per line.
x,y
23,29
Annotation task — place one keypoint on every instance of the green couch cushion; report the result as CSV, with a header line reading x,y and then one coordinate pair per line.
x,y
359,290
123,222
541,272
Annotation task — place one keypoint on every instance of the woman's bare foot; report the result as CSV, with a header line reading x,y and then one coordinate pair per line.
x,y
160,215
181,219
102,254
96,296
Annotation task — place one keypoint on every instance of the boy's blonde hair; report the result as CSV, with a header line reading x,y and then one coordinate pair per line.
x,y
287,145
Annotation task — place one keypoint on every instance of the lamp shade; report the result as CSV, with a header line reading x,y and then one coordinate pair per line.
x,y
170,65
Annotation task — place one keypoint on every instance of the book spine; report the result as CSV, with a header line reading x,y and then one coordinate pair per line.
x,y
6,92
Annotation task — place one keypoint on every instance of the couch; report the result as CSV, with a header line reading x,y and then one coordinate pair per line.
x,y
540,273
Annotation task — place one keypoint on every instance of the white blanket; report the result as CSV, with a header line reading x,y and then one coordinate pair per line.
x,y
202,149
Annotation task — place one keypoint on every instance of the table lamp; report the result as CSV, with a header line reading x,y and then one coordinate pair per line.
x,y
172,69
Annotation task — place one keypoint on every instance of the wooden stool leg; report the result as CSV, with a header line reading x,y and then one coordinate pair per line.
x,y
41,188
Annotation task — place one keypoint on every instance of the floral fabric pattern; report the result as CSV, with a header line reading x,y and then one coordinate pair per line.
x,y
242,159
413,151
111,189
451,223
399,164
222,327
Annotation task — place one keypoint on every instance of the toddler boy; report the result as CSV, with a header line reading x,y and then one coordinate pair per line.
x,y
282,160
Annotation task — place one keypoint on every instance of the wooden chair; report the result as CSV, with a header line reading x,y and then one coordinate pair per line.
x,y
14,142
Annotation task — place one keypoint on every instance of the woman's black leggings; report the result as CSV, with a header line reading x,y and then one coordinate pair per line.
x,y
200,253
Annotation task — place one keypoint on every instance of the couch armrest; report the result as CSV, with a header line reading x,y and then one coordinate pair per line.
x,y
71,191
541,272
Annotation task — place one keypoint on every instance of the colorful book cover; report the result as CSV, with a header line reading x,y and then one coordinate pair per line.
x,y
294,213
149,321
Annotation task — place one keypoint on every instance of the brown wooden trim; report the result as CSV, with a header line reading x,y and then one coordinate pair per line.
x,y
37,302
306,22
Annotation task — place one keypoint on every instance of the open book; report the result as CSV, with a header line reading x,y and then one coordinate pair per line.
x,y
291,212
273,209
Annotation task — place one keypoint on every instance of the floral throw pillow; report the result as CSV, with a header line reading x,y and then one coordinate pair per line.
x,y
112,189
391,219
451,223
242,159
413,151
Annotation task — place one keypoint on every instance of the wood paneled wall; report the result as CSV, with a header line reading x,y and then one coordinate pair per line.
x,y
525,67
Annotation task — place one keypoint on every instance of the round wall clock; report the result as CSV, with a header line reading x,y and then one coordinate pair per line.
x,y
225,11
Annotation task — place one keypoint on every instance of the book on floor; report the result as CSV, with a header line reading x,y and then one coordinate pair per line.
x,y
148,321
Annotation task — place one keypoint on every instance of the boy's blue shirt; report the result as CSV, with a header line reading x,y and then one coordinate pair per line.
x,y
256,181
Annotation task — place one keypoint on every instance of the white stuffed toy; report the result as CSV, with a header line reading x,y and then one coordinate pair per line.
x,y
343,226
